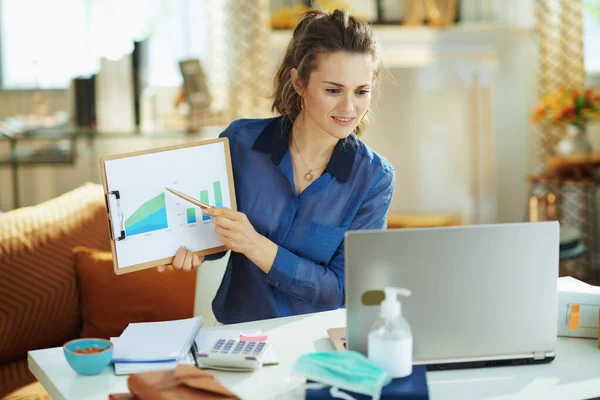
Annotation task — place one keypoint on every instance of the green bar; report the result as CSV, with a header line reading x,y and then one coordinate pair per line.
x,y
218,194
148,208
191,212
204,196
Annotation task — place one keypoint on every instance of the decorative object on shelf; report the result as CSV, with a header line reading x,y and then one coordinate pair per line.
x,y
414,12
572,108
288,17
575,143
85,101
195,85
440,12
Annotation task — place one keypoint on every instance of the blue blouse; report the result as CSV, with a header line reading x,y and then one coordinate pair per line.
x,y
353,193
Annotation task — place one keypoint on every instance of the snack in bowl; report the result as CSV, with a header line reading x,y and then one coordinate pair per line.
x,y
88,356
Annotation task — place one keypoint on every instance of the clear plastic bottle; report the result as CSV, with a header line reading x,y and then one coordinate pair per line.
x,y
390,344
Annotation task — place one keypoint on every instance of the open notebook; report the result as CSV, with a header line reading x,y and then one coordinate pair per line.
x,y
205,339
164,341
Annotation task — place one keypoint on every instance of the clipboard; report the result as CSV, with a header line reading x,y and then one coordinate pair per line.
x,y
147,223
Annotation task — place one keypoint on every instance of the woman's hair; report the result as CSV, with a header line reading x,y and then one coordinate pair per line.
x,y
320,32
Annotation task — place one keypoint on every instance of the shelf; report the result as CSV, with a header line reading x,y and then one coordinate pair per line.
x,y
89,133
49,155
415,46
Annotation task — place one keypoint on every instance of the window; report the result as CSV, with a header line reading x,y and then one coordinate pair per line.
x,y
45,44
39,40
181,34
591,36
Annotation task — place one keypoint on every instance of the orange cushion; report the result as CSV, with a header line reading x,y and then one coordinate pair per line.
x,y
109,302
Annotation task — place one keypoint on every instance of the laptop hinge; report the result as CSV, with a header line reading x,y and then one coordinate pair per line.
x,y
539,355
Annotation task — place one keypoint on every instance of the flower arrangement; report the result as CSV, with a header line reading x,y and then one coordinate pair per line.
x,y
567,106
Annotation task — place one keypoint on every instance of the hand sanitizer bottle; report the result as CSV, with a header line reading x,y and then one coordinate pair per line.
x,y
390,344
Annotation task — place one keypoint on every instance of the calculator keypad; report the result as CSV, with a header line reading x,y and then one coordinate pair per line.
x,y
231,352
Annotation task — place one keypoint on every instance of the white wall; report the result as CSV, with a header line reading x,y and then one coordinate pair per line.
x,y
209,278
423,125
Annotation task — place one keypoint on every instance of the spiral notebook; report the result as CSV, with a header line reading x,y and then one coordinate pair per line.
x,y
157,341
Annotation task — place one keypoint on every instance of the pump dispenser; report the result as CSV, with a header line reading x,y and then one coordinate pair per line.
x,y
390,344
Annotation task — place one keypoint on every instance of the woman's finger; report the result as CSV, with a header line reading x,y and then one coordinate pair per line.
x,y
196,261
223,222
222,231
224,240
222,212
187,262
179,258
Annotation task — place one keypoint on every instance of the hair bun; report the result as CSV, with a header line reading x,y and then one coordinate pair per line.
x,y
307,18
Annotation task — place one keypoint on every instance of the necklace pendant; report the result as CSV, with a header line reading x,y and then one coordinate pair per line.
x,y
308,176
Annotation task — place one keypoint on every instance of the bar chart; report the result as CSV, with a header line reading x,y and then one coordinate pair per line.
x,y
218,198
191,215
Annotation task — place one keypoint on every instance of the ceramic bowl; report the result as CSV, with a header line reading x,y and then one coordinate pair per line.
x,y
88,356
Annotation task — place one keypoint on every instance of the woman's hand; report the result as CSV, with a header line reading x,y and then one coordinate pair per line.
x,y
184,260
236,232
234,229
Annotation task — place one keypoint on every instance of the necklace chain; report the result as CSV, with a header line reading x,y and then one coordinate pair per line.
x,y
308,176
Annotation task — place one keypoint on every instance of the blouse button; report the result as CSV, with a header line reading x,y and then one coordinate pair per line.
x,y
276,284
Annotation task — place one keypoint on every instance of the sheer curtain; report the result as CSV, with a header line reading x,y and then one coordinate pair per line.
x,y
591,36
240,78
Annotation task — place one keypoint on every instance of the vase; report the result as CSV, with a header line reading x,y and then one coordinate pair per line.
x,y
576,143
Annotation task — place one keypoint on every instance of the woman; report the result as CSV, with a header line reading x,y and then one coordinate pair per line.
x,y
302,179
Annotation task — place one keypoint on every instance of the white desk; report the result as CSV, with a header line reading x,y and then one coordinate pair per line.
x,y
574,374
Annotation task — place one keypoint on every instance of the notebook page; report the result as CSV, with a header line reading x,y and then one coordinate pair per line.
x,y
156,341
127,368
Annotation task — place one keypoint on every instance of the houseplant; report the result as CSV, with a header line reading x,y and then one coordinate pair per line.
x,y
571,108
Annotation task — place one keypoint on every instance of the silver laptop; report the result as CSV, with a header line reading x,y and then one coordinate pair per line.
x,y
482,295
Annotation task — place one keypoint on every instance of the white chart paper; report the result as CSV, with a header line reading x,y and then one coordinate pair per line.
x,y
157,222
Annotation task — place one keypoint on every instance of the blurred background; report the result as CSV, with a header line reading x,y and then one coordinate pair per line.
x,y
453,112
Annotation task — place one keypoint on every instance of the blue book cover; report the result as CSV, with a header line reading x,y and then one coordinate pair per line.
x,y
413,387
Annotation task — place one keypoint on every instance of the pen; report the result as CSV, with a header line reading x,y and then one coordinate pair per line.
x,y
188,198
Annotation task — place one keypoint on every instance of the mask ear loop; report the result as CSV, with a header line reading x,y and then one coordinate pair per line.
x,y
336,393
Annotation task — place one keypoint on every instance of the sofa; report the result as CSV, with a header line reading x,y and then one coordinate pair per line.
x,y
57,284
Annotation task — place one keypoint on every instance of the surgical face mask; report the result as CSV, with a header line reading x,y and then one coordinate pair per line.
x,y
348,370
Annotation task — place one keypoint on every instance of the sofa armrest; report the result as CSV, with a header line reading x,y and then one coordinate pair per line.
x,y
38,283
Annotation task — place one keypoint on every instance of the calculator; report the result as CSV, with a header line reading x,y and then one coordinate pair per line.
x,y
233,355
